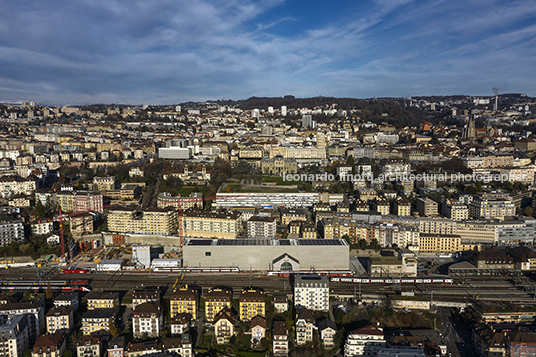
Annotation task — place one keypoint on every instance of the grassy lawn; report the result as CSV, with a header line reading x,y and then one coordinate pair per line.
x,y
207,340
187,190
251,354
267,190
279,181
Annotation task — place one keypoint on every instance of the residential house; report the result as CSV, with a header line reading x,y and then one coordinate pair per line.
x,y
49,345
258,330
147,320
280,339
116,347
179,346
180,324
280,303
145,348
224,325
60,319
305,325
327,330
141,296
89,346
366,341
67,299
103,300
98,321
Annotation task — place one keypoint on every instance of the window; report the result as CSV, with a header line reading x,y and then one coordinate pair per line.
x,y
208,254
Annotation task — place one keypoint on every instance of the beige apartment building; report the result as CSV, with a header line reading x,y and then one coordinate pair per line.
x,y
183,300
499,209
163,221
201,224
104,183
426,207
299,153
215,301
435,243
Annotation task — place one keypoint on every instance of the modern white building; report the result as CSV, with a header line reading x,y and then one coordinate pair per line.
x,y
366,341
110,265
147,319
289,200
174,152
11,231
311,292
261,227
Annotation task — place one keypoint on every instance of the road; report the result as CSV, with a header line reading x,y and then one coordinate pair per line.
x,y
458,336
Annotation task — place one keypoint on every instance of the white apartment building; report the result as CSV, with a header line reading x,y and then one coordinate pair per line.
x,y
60,319
455,210
42,228
11,231
16,185
366,341
311,292
491,209
261,227
14,339
147,318
33,311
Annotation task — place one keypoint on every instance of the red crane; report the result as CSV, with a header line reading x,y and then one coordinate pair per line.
x,y
60,219
179,201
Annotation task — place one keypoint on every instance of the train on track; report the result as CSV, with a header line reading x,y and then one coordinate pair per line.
x,y
63,285
391,280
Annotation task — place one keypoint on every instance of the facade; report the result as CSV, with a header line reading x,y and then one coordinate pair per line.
x,y
280,303
366,341
402,207
265,254
42,228
178,346
82,224
16,186
481,207
224,325
409,302
215,301
180,324
11,231
162,221
98,322
278,165
261,227
455,210
85,201
252,303
89,346
327,330
301,154
304,326
116,347
67,299
311,292
494,259
14,338
137,349
147,320
289,200
258,330
290,215
49,345
427,207
33,311
104,183
103,300
436,243
183,300
280,339
201,224
60,319
141,296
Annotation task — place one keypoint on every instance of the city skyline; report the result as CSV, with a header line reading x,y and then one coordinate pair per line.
x,y
170,52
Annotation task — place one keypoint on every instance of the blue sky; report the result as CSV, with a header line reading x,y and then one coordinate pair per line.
x,y
171,51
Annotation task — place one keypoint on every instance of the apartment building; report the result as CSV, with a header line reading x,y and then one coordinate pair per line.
x,y
33,311
224,325
402,207
141,296
14,339
89,346
304,326
201,224
103,300
455,210
98,322
215,300
436,243
327,330
162,221
85,201
11,231
147,320
41,228
426,207
300,154
138,349
437,226
60,319
194,200
50,345
15,185
67,299
183,300
311,292
252,303
482,207
104,183
116,347
381,206
480,232
82,224
180,324
366,341
280,339
178,346
261,227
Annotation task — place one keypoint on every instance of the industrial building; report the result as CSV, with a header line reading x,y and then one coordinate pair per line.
x,y
268,254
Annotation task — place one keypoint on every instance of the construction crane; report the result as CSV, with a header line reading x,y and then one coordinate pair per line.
x,y
60,220
178,202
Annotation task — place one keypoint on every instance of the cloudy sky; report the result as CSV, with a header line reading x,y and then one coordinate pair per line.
x,y
171,51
